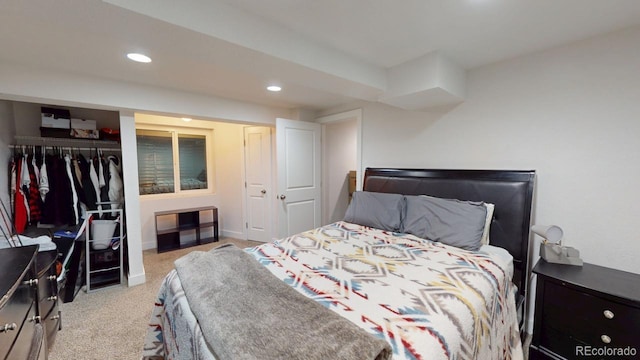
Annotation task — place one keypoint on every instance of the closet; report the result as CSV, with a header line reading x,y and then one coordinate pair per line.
x,y
54,185
58,183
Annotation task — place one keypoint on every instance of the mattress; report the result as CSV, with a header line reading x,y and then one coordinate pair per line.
x,y
168,186
426,299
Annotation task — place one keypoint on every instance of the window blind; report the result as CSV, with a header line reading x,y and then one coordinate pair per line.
x,y
155,161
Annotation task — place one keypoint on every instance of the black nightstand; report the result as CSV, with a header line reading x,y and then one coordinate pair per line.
x,y
585,312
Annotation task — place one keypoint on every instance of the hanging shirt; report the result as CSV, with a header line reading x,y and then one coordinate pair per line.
x,y
20,210
116,188
12,185
58,207
96,184
74,194
87,190
34,195
104,190
44,181
77,172
36,169
25,181
102,182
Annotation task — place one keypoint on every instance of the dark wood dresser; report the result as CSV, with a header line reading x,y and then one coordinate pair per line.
x,y
48,309
29,316
585,312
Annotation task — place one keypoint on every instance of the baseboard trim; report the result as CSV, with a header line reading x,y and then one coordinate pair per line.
x,y
137,279
151,245
233,234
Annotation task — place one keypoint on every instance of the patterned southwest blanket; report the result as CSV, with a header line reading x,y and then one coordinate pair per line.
x,y
426,299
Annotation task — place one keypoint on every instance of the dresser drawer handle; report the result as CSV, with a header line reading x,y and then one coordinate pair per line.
x,y
8,327
52,277
608,314
31,282
35,319
605,339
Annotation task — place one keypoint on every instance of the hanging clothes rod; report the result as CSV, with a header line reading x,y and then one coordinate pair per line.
x,y
69,147
78,144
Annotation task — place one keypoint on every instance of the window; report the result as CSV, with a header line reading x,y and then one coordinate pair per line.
x,y
173,160
193,164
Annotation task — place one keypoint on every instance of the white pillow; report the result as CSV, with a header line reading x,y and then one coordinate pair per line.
x,y
487,223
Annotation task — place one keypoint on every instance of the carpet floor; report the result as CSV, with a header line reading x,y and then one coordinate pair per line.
x,y
111,323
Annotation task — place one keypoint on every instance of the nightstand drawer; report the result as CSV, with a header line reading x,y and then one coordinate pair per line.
x,y
594,321
579,309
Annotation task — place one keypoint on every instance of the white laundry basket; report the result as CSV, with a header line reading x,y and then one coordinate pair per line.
x,y
102,233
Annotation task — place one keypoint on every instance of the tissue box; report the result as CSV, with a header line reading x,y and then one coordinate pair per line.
x,y
85,134
82,124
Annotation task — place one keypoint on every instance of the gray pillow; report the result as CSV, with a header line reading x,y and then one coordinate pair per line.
x,y
378,210
449,221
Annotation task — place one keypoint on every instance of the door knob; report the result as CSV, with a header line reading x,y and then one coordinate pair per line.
x,y
263,191
282,197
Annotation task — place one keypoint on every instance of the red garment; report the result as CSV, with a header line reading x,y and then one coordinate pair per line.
x,y
20,211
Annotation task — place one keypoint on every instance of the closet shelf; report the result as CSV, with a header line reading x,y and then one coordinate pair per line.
x,y
21,140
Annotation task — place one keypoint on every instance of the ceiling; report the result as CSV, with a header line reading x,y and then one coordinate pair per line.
x,y
323,53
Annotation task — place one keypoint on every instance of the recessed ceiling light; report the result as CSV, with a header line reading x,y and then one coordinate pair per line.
x,y
186,119
139,57
274,88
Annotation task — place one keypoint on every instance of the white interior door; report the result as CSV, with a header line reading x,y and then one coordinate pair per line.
x,y
257,155
299,175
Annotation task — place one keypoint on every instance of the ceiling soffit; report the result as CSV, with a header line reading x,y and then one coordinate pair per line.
x,y
427,81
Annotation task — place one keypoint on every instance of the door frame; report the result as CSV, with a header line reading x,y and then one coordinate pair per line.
x,y
346,115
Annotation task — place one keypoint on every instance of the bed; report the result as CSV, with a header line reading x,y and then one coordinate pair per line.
x,y
167,186
372,292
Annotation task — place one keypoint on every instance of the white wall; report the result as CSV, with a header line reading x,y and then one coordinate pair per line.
x,y
339,144
570,113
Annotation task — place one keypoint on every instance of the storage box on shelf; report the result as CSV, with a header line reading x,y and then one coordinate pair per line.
x,y
72,123
55,118
84,129
55,123
177,229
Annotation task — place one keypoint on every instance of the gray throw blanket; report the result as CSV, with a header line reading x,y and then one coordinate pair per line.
x,y
245,312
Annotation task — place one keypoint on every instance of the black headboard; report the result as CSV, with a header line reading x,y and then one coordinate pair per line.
x,y
510,191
